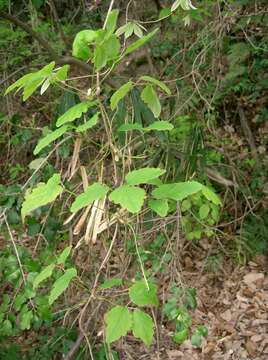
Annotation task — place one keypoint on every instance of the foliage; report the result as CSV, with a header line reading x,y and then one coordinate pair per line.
x,y
31,308
119,320
177,309
153,126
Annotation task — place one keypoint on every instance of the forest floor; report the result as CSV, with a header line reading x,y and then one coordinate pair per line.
x,y
232,303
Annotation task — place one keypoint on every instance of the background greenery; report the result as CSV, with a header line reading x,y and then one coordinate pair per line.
x,y
215,61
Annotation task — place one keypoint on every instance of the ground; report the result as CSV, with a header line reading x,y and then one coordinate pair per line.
x,y
233,304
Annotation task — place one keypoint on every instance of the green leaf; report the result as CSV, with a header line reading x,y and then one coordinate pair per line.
x,y
164,12
137,44
120,94
111,22
129,197
36,163
42,195
112,47
43,275
100,58
204,211
25,321
45,86
4,305
149,96
143,327
89,124
19,83
196,339
119,322
143,176
75,112
30,82
175,5
106,51
184,4
156,82
184,317
160,206
61,284
190,300
38,78
211,195
138,30
142,296
180,336
202,330
111,283
81,44
177,191
62,73
126,29
159,126
19,301
6,328
64,255
186,205
49,138
130,127
94,192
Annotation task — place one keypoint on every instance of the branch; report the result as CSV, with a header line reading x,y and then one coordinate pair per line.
x,y
247,131
54,55
57,22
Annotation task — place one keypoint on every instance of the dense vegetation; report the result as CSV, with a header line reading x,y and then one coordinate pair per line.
x,y
131,133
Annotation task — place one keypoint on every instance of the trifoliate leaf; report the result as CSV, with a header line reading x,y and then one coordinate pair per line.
x,y
119,322
177,191
129,197
42,195
126,29
160,206
143,176
184,4
30,82
94,192
61,74
143,327
142,296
